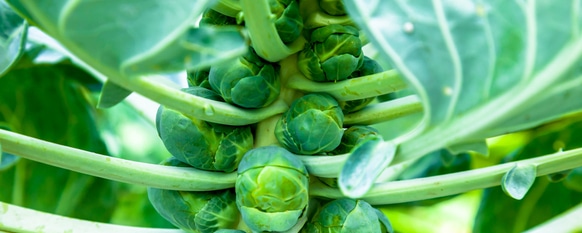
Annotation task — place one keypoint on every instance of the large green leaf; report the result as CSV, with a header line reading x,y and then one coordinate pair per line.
x,y
499,212
149,37
48,102
481,68
13,30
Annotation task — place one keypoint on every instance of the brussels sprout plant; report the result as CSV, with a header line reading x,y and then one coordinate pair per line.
x,y
290,116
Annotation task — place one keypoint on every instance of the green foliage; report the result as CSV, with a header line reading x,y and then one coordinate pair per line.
x,y
460,74
58,112
201,144
334,52
313,124
195,211
248,81
271,189
13,30
347,215
150,37
545,199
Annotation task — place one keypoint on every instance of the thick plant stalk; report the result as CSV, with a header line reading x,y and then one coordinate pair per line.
x,y
22,220
164,177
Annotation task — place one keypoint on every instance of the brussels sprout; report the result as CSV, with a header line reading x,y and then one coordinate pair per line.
x,y
333,7
199,78
201,144
195,211
212,17
369,67
347,215
334,52
248,82
313,124
271,189
354,136
289,22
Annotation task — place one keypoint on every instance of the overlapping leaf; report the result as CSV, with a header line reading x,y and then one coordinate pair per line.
x,y
149,37
481,68
12,36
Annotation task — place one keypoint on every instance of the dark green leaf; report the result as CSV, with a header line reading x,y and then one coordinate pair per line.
x,y
12,36
112,94
48,102
134,39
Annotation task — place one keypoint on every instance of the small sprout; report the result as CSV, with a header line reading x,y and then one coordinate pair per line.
x,y
354,136
334,52
195,211
271,189
312,125
347,215
249,81
288,22
203,145
199,78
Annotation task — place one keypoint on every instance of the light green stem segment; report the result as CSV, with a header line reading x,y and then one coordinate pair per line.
x,y
158,176
444,185
196,180
18,219
352,89
380,112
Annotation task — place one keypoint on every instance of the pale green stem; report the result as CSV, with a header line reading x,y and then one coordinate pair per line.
x,y
264,36
352,89
22,220
381,112
158,176
568,221
460,182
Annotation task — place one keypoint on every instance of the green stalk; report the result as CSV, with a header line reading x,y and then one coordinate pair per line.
x,y
455,183
352,89
264,36
18,219
164,177
377,113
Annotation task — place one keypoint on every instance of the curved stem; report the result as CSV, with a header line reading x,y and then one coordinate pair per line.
x,y
444,185
18,219
164,177
264,36
352,89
